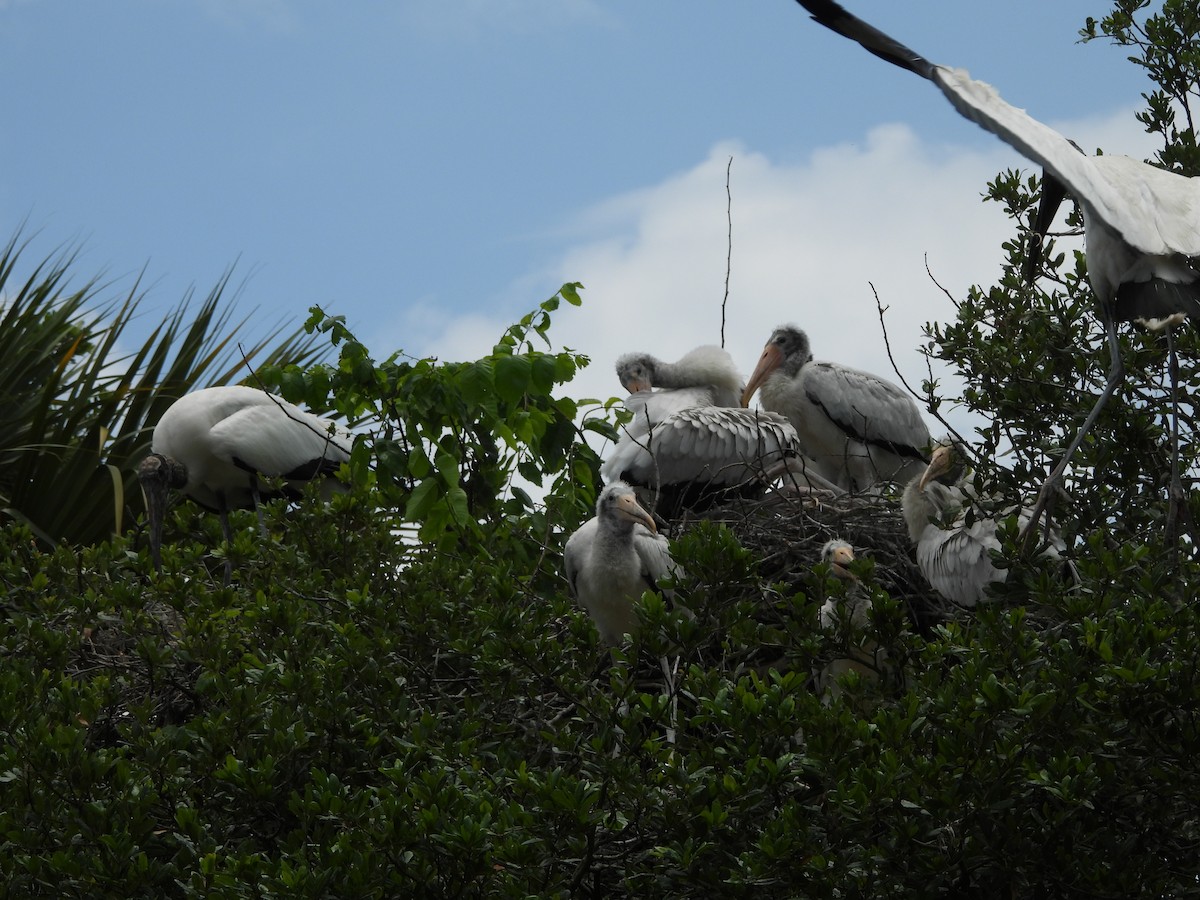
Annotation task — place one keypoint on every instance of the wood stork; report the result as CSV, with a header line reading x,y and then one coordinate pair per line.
x,y
1141,223
953,538
685,441
613,558
217,443
847,616
856,427
708,368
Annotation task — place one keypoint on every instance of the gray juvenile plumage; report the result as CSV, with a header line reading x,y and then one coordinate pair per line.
x,y
688,426
953,541
613,558
858,429
850,611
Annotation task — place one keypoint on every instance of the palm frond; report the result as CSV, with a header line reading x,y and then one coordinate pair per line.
x,y
77,409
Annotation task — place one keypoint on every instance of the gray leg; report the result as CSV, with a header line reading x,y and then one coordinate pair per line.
x,y
1116,372
228,533
257,500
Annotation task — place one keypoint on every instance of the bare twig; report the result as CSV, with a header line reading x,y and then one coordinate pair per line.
x,y
728,246
881,309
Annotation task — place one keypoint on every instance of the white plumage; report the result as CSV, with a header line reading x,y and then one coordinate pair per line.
x,y
847,616
1141,223
857,428
687,427
954,540
708,368
613,558
217,443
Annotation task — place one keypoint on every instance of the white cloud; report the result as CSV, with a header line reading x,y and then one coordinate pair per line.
x,y
810,237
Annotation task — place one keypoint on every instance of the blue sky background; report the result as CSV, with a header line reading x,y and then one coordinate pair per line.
x,y
432,169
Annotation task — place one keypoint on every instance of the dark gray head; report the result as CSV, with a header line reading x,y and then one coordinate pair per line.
x,y
786,351
637,371
792,344
158,474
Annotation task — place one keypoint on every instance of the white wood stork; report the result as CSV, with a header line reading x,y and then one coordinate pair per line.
x,y
847,616
215,444
613,558
708,368
685,440
857,428
1141,223
954,540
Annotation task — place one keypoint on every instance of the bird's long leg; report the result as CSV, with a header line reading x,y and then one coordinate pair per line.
x,y
256,499
223,513
1116,372
1175,492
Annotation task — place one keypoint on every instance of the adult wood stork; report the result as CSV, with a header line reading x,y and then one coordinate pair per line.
x,y
684,441
847,615
613,558
1141,223
216,445
857,428
953,538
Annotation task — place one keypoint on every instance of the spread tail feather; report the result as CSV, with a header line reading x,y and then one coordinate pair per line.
x,y
1157,299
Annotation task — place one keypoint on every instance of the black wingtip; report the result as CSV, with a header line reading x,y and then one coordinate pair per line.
x,y
835,17
1053,194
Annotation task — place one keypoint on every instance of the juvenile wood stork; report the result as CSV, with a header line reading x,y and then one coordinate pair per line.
x,y
217,443
707,368
857,428
613,558
685,441
954,539
1141,223
847,616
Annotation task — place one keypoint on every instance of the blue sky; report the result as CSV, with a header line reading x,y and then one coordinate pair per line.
x,y
432,169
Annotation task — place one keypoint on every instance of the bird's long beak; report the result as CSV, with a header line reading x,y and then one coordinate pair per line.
x,y
634,385
939,464
628,507
770,360
842,557
154,490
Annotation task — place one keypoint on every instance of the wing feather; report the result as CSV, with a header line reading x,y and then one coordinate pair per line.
x,y
1153,210
867,407
280,439
725,445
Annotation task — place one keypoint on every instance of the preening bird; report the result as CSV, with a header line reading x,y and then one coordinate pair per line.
x,y
857,428
847,615
1141,223
709,371
613,558
684,437
954,539
217,445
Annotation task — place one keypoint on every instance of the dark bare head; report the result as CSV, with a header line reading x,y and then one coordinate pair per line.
x,y
157,475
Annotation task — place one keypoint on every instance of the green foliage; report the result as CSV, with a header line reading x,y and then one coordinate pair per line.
x,y
76,405
452,438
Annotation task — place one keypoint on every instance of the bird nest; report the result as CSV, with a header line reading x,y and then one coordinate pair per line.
x,y
787,530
